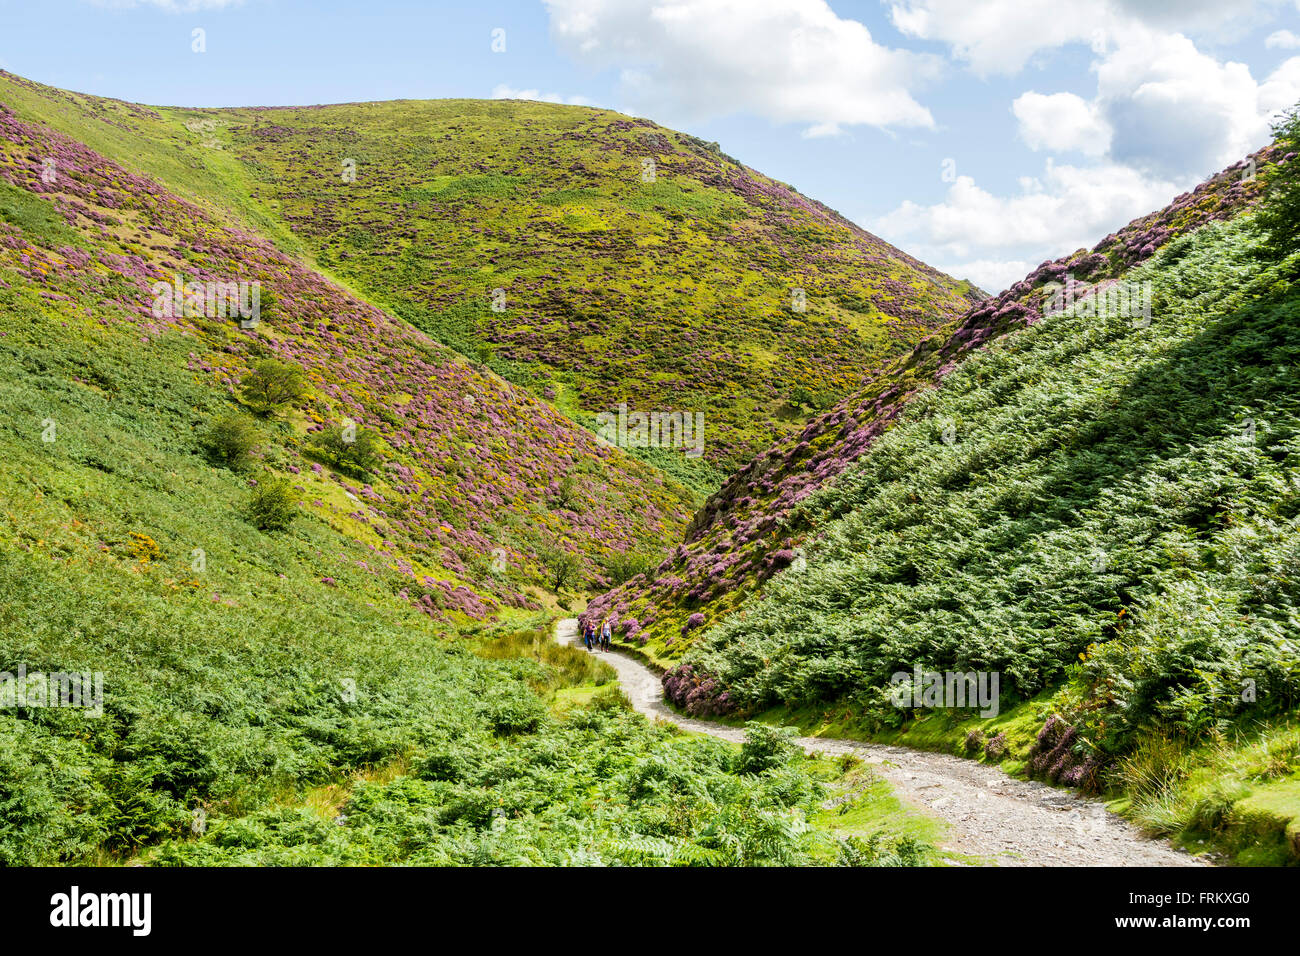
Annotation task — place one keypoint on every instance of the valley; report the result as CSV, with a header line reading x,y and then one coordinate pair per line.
x,y
324,428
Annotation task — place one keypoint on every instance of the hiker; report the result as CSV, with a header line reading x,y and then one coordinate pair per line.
x,y
606,631
586,635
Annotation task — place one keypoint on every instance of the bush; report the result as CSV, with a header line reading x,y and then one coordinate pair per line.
x,y
1279,214
565,495
766,747
514,713
273,505
271,385
560,567
996,747
351,449
230,441
623,566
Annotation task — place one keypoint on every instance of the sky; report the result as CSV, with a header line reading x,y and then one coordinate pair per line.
x,y
982,136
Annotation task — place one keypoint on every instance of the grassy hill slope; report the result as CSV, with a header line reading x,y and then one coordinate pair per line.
x,y
671,294
476,484
295,695
1101,509
754,526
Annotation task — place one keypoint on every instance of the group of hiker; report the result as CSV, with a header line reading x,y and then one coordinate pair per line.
x,y
597,638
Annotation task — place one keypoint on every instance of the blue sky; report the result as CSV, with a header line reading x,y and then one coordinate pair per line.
x,y
981,135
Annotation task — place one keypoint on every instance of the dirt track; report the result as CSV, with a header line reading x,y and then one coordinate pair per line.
x,y
991,816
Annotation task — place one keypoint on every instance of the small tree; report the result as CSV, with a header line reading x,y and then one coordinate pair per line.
x,y
623,566
273,505
561,567
566,493
353,449
271,385
230,440
1279,214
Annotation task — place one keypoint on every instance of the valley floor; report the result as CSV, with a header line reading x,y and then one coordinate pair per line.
x,y
991,817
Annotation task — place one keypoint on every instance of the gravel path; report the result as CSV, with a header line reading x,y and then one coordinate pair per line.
x,y
992,817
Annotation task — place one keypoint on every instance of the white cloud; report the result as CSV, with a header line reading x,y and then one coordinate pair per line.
x,y
1000,36
985,237
1176,111
1164,115
1283,40
168,6
786,60
997,36
503,92
1061,122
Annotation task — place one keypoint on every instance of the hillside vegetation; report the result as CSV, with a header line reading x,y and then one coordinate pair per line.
x,y
477,491
753,527
536,239
1102,509
287,628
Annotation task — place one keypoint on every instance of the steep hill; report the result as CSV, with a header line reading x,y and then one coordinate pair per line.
x,y
1094,516
754,526
272,688
477,491
593,258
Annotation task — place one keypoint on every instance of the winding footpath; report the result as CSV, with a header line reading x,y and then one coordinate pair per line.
x,y
992,817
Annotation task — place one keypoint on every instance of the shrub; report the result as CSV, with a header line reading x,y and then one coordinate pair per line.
x,y
351,449
566,494
996,747
765,747
143,548
514,713
1279,214
623,566
272,505
559,566
230,441
271,385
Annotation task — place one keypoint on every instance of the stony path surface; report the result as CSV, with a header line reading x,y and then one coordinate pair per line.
x,y
993,817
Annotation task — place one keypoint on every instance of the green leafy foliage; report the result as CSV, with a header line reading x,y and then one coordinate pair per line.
x,y
272,504
561,567
270,385
766,747
351,449
1279,215
1097,504
230,441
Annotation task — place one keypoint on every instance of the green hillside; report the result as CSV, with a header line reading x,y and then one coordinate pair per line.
x,y
475,489
753,526
300,649
671,294
1100,508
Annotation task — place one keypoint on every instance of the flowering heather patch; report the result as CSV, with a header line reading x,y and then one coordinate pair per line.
x,y
995,748
748,530
1055,756
458,478
666,295
696,694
